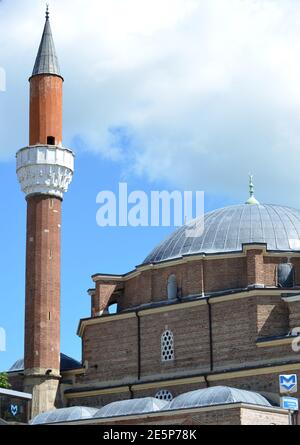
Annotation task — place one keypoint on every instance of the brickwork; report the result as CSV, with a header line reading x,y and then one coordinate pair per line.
x,y
294,314
201,276
257,417
190,329
42,311
103,297
111,350
99,401
272,317
225,274
113,345
45,109
255,267
266,384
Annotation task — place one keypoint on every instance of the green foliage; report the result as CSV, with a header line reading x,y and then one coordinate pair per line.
x,y
4,383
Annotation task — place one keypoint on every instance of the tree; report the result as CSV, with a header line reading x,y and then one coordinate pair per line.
x,y
4,383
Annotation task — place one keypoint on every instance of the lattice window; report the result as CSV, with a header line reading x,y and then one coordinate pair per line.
x,y
164,394
167,346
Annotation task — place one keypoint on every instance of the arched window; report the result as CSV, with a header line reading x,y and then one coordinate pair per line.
x,y
285,275
172,287
164,394
167,346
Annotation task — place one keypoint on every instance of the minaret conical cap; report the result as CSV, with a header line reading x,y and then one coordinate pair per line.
x,y
46,60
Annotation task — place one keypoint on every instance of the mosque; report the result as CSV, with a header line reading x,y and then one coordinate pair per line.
x,y
203,328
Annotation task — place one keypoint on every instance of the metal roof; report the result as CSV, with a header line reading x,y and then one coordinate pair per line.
x,y
227,229
47,60
218,395
18,394
66,364
132,406
64,415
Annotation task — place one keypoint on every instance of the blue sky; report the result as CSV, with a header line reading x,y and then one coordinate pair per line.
x,y
181,94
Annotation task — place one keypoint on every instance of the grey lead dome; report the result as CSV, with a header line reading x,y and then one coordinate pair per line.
x,y
227,229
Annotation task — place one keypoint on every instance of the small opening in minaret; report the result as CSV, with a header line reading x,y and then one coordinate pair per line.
x,y
50,140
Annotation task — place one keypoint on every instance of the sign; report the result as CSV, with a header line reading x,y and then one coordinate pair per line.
x,y
14,410
288,383
290,403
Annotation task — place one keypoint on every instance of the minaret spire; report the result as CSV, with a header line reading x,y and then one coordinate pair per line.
x,y
47,60
252,200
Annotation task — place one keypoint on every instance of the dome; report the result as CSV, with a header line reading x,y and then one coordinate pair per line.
x,y
217,395
64,415
132,406
227,229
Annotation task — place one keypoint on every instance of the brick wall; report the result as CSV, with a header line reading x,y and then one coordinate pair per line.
x,y
197,276
111,351
190,329
237,324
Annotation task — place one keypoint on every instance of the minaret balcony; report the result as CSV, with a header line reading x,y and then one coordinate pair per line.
x,y
45,170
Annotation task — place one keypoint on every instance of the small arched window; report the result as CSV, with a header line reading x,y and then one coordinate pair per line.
x,y
164,394
285,275
167,346
172,287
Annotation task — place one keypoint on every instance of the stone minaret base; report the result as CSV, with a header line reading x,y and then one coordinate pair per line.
x,y
44,390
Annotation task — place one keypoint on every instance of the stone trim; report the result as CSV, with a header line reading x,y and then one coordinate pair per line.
x,y
96,392
275,342
45,170
291,299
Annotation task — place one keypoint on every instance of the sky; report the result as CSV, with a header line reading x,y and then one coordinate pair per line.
x,y
161,94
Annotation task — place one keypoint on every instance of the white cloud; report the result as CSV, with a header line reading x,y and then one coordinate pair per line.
x,y
203,91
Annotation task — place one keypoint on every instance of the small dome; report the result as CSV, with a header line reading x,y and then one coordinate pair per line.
x,y
132,406
227,229
217,395
64,415
66,364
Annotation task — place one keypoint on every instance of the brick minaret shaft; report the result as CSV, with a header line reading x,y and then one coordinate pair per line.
x,y
42,312
44,170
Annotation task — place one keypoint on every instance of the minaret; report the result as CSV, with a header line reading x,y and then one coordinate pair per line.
x,y
45,170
